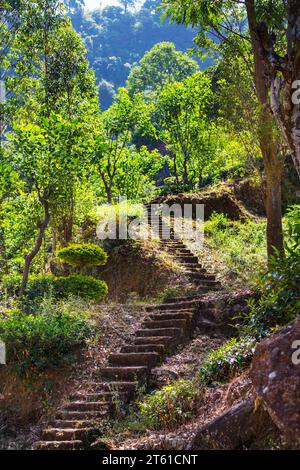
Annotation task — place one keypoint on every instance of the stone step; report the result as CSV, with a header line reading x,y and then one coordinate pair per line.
x,y
167,341
175,300
59,445
187,258
120,387
172,316
159,332
169,323
70,424
87,405
201,276
134,374
81,415
175,306
136,348
149,359
59,434
94,396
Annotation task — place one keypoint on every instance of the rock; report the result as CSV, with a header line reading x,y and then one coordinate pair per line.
x,y
277,379
235,429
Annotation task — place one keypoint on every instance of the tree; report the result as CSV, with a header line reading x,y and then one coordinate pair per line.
x,y
126,4
125,115
160,66
223,20
183,125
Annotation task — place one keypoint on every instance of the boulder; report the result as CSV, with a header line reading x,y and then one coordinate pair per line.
x,y
275,375
236,428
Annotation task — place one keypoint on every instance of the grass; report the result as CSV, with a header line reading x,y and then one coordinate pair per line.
x,y
237,248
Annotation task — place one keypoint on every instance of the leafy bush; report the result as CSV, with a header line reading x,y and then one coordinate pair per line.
x,y
224,362
83,255
35,342
45,285
170,406
82,286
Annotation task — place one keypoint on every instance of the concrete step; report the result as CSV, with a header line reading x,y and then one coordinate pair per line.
x,y
159,332
135,348
149,359
59,445
134,374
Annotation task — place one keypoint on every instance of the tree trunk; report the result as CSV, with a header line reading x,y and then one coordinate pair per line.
x,y
270,150
29,257
274,209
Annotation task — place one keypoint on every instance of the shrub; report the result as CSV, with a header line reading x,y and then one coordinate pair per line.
x,y
82,286
279,287
45,285
224,362
35,342
83,255
170,406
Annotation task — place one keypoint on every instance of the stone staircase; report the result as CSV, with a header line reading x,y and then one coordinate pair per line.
x,y
164,328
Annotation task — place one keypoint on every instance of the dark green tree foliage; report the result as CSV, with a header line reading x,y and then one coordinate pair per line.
x,y
117,39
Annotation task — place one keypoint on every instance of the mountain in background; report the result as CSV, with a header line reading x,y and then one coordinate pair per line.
x,y
118,37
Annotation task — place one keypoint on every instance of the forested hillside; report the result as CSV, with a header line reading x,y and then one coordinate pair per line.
x,y
117,38
149,228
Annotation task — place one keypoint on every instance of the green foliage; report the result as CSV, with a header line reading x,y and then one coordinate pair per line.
x,y
172,405
86,287
223,363
279,286
35,342
45,285
239,245
160,66
83,255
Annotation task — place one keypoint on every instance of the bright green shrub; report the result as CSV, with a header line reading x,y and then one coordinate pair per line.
x,y
82,286
224,362
83,255
34,342
172,405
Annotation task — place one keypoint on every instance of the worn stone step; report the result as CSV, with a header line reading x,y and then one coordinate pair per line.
x,y
59,445
187,258
175,306
135,348
136,373
70,424
92,396
187,317
159,332
167,341
87,405
149,359
176,300
163,323
113,387
81,415
59,434
201,276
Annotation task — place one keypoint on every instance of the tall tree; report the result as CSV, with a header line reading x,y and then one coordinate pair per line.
x,y
223,20
162,65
